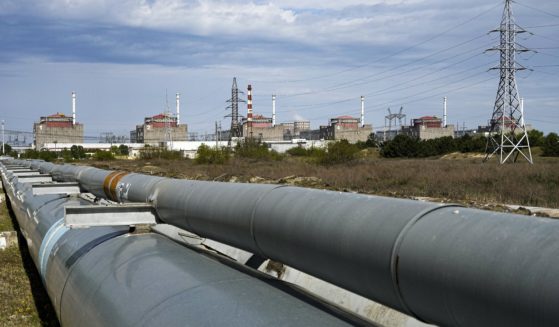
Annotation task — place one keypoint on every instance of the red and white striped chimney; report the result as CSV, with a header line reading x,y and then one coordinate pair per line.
x,y
249,105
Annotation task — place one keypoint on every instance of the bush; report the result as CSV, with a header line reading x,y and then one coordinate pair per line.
x,y
7,149
149,153
535,137
66,155
550,145
401,146
337,152
77,152
372,141
48,155
255,150
103,155
467,144
209,155
123,150
43,155
30,154
298,151
405,146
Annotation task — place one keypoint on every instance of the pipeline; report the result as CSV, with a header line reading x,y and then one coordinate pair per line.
x,y
107,276
443,264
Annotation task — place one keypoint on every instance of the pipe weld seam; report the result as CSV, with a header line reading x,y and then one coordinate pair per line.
x,y
394,257
55,232
252,218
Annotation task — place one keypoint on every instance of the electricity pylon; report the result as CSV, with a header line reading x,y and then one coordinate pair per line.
x,y
508,137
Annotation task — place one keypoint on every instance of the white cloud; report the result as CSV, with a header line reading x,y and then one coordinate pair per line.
x,y
312,22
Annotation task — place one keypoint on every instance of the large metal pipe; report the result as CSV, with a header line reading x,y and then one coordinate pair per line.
x,y
442,264
105,276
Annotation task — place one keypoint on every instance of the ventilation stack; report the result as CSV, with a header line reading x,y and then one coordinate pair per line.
x,y
178,102
444,112
73,108
362,111
273,110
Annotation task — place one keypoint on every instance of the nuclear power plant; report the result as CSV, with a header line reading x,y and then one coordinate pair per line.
x,y
165,129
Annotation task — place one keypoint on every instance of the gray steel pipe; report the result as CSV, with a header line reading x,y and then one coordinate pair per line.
x,y
104,276
442,264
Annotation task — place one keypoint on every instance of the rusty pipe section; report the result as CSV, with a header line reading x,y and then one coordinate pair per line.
x,y
442,264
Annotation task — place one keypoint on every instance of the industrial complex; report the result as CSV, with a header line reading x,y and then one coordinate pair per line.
x,y
165,129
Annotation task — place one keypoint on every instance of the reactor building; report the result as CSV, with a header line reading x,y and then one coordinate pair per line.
x,y
161,128
58,128
428,127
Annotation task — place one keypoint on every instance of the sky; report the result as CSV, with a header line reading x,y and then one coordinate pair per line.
x,y
127,59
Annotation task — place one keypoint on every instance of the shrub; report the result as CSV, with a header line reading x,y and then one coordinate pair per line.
x,y
77,152
337,152
149,153
253,149
405,146
103,155
7,149
372,141
48,155
535,137
123,150
209,155
30,154
298,151
468,143
401,146
550,145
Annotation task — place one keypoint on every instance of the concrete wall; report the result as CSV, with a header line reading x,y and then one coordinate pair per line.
x,y
424,133
265,133
154,136
337,132
44,134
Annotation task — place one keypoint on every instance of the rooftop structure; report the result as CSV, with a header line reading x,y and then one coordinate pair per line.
x,y
57,128
162,127
346,128
428,127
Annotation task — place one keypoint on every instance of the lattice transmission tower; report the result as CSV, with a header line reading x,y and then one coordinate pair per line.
x,y
234,106
508,137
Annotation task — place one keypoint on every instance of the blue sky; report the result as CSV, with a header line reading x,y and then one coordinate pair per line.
x,y
319,57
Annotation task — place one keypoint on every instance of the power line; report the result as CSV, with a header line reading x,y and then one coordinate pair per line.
x,y
397,52
542,26
537,9
377,76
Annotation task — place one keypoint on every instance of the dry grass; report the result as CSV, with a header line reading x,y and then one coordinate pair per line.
x,y
5,219
23,299
464,180
16,300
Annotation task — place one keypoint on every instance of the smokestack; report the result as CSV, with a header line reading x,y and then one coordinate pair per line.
x,y
249,105
73,108
178,100
362,111
444,112
273,110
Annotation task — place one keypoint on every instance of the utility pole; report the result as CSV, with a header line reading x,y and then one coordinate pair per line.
x,y
508,137
216,136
